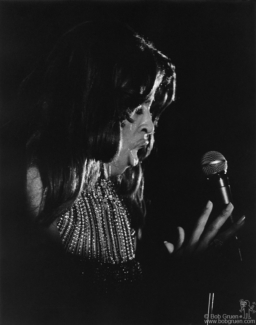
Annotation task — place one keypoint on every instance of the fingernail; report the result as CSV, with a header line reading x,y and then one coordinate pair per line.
x,y
230,206
241,220
208,204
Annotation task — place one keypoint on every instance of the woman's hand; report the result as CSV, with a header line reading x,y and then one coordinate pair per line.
x,y
203,236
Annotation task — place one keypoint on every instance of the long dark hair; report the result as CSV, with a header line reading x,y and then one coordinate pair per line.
x,y
96,75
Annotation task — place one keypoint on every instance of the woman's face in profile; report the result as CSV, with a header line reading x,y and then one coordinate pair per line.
x,y
134,136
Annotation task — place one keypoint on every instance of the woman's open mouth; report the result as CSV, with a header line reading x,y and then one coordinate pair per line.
x,y
133,152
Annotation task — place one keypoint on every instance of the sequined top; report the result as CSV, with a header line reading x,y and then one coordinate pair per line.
x,y
97,229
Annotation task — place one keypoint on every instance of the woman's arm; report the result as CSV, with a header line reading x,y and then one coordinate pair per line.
x,y
34,191
35,195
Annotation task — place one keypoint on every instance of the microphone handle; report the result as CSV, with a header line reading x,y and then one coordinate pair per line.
x,y
219,186
221,193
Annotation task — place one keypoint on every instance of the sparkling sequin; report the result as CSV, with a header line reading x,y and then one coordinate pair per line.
x,y
97,227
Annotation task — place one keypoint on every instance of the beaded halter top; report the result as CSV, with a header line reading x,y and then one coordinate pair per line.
x,y
97,229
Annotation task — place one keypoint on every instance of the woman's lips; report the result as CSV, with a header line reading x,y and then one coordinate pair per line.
x,y
133,152
139,144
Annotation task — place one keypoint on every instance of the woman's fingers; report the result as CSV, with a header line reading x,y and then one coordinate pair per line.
x,y
230,232
181,237
199,242
169,246
215,226
200,225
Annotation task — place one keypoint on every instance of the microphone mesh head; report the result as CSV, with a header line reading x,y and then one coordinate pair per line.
x,y
213,162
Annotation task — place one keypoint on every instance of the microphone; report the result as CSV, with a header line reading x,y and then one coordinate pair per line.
x,y
214,166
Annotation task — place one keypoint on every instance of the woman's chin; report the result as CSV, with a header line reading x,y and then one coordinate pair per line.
x,y
133,157
119,166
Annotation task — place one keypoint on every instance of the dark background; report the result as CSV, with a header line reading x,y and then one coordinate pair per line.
x,y
212,45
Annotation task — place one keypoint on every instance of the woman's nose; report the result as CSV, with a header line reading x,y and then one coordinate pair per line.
x,y
147,124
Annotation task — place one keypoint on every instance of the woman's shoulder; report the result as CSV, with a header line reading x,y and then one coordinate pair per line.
x,y
34,188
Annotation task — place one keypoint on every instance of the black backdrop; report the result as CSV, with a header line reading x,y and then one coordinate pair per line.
x,y
212,45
